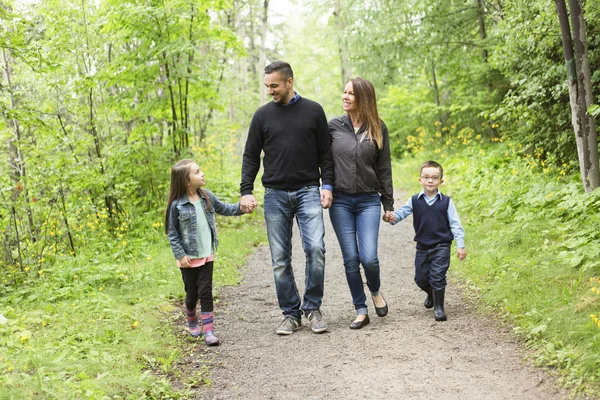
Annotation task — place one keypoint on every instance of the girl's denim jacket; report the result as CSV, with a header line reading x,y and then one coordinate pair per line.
x,y
182,223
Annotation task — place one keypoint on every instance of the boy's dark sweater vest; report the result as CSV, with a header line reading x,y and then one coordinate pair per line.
x,y
431,222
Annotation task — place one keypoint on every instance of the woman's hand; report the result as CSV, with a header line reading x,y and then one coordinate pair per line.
x,y
389,216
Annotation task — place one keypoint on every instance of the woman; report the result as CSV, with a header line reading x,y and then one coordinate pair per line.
x,y
363,171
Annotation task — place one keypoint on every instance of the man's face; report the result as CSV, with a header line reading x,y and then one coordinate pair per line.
x,y
281,91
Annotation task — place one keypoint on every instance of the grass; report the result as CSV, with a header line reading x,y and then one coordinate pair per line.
x,y
533,242
93,327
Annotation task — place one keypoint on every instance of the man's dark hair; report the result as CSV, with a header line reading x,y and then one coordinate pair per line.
x,y
433,164
284,69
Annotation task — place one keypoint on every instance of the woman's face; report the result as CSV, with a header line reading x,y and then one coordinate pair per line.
x,y
348,98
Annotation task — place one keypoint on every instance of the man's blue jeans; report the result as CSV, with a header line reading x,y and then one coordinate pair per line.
x,y
281,206
355,219
431,267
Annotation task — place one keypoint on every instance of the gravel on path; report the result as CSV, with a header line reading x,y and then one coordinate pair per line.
x,y
405,355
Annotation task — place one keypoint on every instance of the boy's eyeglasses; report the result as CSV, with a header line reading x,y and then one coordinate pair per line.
x,y
433,178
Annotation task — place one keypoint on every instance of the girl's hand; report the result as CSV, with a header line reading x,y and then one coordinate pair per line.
x,y
185,262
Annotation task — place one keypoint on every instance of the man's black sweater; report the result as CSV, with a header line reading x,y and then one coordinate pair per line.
x,y
297,146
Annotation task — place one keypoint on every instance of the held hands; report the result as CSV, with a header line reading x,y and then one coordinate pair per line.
x,y
248,203
389,216
461,254
326,198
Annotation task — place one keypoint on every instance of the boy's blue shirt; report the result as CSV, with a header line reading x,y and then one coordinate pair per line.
x,y
453,219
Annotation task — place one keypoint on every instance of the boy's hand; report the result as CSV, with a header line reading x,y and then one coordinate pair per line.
x,y
461,253
184,262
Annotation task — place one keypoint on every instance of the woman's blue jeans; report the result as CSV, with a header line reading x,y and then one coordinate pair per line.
x,y
281,206
355,219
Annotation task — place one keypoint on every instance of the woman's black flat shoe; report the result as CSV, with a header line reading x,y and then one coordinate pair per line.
x,y
360,324
380,311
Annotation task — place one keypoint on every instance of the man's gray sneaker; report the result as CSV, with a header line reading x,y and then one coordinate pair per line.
x,y
288,326
317,323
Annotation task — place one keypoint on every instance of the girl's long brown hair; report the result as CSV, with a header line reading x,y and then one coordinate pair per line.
x,y
180,177
366,105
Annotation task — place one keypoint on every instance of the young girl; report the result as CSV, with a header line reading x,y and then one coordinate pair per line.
x,y
190,227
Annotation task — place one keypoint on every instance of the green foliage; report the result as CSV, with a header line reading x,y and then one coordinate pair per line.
x,y
93,128
104,97
432,62
532,238
94,326
401,120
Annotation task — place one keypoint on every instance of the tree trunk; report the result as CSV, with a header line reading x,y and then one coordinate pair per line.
x,y
585,97
16,161
342,43
262,57
583,124
482,34
436,94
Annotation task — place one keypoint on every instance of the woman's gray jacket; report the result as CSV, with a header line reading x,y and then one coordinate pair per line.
x,y
360,166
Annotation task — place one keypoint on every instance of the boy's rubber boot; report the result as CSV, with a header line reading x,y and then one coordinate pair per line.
x,y
192,318
438,305
207,327
429,299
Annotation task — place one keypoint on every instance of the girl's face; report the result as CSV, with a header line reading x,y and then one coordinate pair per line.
x,y
195,176
348,98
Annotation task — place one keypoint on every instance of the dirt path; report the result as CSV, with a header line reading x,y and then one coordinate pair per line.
x,y
406,355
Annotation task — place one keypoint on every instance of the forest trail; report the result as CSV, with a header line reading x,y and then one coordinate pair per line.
x,y
406,355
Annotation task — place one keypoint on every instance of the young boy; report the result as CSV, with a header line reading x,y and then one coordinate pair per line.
x,y
436,224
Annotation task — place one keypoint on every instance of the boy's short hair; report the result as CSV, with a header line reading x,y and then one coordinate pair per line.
x,y
432,164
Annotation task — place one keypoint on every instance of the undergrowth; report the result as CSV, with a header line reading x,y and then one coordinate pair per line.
x,y
93,326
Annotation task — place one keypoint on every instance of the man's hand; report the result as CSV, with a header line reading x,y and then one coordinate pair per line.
x,y
326,198
461,253
248,203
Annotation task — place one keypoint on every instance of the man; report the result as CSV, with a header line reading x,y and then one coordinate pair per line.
x,y
292,131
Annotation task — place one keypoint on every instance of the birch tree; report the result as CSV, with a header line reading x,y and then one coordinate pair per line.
x,y
580,91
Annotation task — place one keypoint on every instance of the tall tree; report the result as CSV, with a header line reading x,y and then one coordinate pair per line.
x,y
262,59
340,25
580,91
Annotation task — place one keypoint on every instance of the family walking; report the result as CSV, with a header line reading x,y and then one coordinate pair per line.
x,y
310,164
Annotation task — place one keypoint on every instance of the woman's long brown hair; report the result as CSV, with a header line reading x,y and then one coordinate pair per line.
x,y
180,177
366,105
